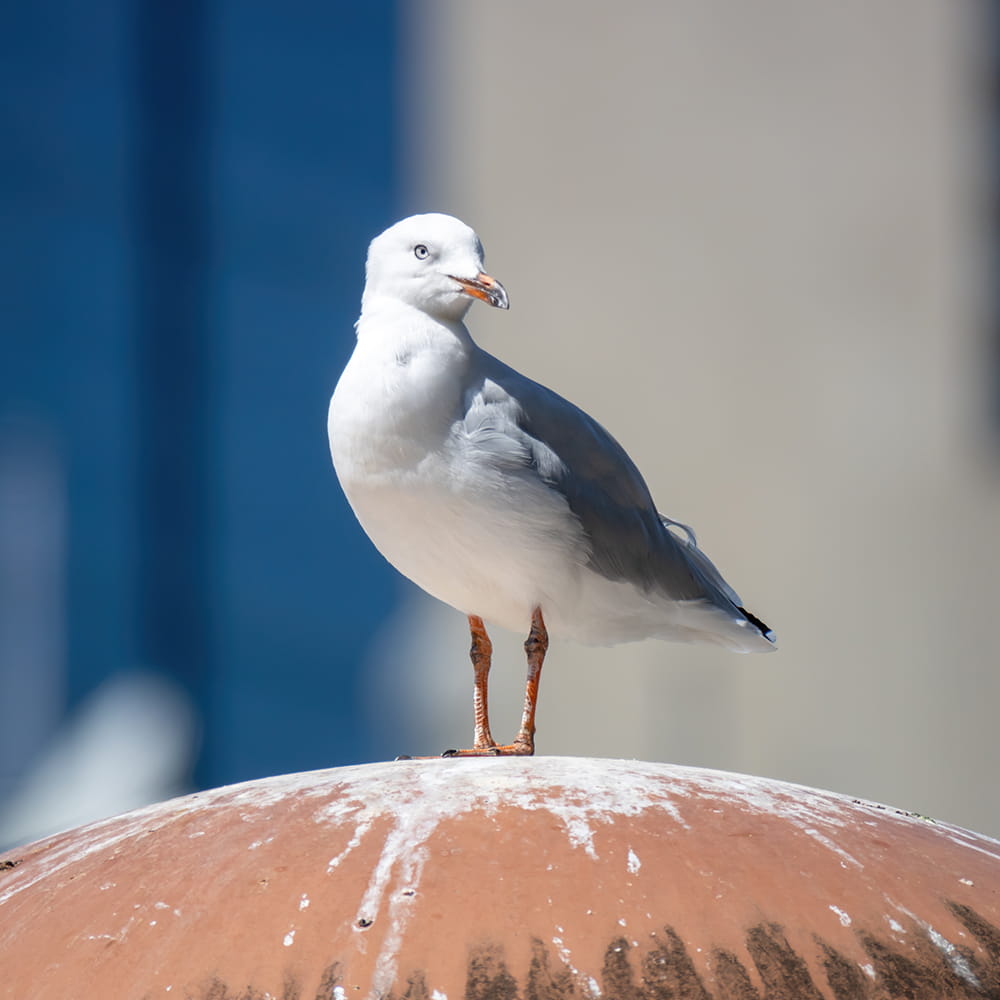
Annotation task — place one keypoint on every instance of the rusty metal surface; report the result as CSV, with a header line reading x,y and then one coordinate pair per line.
x,y
541,877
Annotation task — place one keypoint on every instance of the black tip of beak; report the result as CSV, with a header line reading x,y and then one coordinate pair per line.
x,y
499,297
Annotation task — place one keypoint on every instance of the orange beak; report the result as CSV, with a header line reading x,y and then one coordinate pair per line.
x,y
484,288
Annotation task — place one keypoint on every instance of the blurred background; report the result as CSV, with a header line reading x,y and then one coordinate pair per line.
x,y
757,242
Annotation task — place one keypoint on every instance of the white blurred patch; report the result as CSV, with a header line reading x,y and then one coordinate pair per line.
x,y
129,744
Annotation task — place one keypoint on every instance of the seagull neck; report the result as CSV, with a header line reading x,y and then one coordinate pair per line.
x,y
389,317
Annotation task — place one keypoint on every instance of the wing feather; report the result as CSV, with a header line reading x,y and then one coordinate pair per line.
x,y
537,429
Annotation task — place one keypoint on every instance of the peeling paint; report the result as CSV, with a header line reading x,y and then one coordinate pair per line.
x,y
958,962
565,955
956,959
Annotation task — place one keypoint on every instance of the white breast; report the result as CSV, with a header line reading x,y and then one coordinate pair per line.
x,y
475,537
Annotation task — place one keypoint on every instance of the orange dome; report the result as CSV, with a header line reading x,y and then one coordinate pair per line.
x,y
518,877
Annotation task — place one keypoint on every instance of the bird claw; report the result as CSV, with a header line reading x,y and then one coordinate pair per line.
x,y
516,749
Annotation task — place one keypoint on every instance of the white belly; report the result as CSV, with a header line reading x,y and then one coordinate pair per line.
x,y
463,547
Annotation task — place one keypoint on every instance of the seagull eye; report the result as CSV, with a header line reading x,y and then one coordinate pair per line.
x,y
421,252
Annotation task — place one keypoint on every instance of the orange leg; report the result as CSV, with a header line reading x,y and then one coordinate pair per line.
x,y
481,655
535,646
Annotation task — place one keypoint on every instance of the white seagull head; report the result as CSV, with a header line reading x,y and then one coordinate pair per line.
x,y
432,262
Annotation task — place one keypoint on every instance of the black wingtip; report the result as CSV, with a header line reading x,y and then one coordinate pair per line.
x,y
765,631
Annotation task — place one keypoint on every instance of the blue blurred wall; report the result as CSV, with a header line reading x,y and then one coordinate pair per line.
x,y
187,190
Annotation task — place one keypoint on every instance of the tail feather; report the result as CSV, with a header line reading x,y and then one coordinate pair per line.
x,y
713,582
765,631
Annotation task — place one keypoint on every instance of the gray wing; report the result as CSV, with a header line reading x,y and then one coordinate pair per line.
x,y
535,428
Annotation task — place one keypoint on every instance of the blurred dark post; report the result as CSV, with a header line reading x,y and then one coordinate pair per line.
x,y
172,239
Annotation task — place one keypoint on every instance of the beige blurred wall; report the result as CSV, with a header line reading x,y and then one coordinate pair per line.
x,y
750,239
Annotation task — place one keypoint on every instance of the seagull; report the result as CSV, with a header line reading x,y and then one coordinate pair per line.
x,y
495,494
